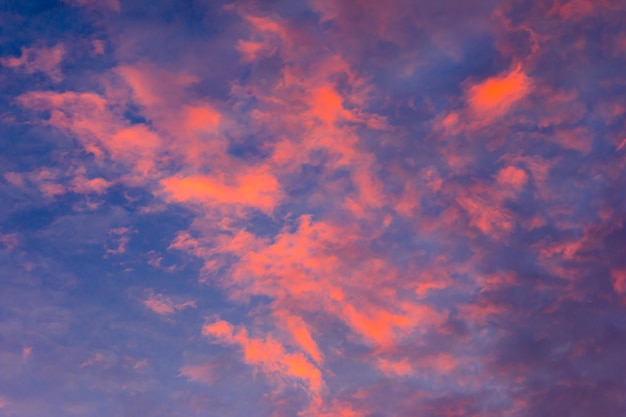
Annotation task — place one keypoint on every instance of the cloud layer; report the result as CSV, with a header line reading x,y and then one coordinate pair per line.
x,y
322,208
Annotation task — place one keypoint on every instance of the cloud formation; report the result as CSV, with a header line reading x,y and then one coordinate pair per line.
x,y
38,60
322,208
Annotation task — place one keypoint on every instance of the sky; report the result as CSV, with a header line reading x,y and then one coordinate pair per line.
x,y
312,208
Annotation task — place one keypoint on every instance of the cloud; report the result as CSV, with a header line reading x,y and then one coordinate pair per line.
x,y
513,177
96,359
254,189
496,95
252,51
200,373
395,368
38,59
163,305
268,355
9,241
302,336
619,281
26,351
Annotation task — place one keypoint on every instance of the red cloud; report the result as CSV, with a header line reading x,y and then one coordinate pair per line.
x,y
494,96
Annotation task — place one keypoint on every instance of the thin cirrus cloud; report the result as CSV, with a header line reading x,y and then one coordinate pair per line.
x,y
322,208
164,305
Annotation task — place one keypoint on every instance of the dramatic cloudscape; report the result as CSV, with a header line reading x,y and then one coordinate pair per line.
x,y
312,208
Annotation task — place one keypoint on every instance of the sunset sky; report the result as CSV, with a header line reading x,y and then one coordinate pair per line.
x,y
312,208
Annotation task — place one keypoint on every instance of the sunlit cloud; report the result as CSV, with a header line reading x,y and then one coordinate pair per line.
x,y
314,209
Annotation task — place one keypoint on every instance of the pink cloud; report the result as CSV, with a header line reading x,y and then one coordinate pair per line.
x,y
96,359
26,351
618,277
301,334
395,368
38,59
269,356
118,241
97,47
254,188
204,373
10,241
252,51
512,176
14,178
164,305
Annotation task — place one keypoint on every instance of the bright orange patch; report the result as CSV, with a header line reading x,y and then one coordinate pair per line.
x,y
201,119
327,105
496,95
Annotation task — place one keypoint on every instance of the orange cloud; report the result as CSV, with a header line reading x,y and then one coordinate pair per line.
x,y
316,268
201,118
384,328
327,105
268,355
293,265
190,127
97,123
369,191
253,188
302,335
512,176
382,240
496,95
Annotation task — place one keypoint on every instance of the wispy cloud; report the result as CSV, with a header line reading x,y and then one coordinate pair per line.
x,y
38,59
164,305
